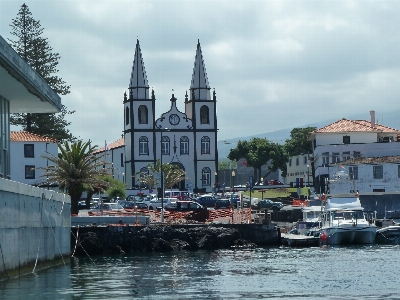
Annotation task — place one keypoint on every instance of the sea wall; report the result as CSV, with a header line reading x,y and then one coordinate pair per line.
x,y
34,228
97,240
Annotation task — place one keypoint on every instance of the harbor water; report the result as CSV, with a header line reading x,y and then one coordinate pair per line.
x,y
327,272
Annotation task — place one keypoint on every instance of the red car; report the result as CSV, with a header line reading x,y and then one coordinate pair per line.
x,y
275,182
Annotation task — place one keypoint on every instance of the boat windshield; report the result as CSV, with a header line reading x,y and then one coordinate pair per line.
x,y
346,215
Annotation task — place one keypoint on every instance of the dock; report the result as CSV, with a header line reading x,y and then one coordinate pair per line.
x,y
297,240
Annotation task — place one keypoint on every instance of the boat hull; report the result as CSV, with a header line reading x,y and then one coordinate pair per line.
x,y
346,235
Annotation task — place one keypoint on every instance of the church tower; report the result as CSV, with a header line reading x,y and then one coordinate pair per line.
x,y
139,108
202,109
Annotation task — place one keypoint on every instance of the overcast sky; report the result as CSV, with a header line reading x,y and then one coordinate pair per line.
x,y
273,64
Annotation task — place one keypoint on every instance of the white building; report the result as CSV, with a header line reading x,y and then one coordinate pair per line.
x,y
346,139
186,138
26,151
365,175
299,171
34,231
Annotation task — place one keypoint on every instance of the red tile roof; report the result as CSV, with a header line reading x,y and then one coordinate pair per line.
x,y
24,136
114,145
345,125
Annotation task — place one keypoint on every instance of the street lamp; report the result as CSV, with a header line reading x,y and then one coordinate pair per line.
x,y
215,184
123,177
47,167
308,175
162,176
262,194
233,179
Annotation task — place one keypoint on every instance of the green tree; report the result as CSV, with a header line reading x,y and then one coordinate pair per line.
x,y
35,49
298,144
117,188
258,152
76,167
172,174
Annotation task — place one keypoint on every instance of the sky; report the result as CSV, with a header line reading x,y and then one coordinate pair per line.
x,y
273,64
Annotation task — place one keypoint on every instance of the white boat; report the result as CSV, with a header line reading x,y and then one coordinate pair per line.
x,y
388,235
343,222
310,224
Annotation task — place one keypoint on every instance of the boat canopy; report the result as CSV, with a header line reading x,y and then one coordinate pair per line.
x,y
343,203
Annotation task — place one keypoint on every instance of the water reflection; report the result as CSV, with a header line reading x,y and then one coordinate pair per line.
x,y
295,273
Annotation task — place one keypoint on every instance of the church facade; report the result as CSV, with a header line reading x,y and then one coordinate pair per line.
x,y
186,138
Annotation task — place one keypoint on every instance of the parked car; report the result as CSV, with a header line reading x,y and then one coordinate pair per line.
x,y
233,197
265,204
82,204
275,182
131,205
184,206
206,200
107,207
222,203
156,203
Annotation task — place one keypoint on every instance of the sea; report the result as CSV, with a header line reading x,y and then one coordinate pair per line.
x,y
325,272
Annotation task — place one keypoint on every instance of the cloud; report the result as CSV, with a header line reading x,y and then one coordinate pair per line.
x,y
273,64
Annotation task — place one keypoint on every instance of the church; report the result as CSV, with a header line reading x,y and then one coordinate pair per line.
x,y
186,138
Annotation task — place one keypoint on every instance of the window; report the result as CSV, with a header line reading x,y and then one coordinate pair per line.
x,y
29,150
205,145
206,176
353,173
122,159
297,161
378,172
143,146
346,139
356,154
204,119
335,157
165,145
346,155
325,159
398,171
305,160
184,145
142,114
29,172
127,115
290,162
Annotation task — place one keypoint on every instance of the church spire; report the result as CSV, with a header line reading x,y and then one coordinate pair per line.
x,y
200,89
139,86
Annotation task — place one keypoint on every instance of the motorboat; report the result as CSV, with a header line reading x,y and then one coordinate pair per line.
x,y
310,224
388,235
343,222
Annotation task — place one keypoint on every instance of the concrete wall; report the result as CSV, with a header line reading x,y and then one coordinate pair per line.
x,y
34,223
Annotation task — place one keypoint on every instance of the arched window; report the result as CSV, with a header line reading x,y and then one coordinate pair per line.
x,y
206,176
184,146
165,145
142,114
144,172
127,115
143,146
204,115
205,145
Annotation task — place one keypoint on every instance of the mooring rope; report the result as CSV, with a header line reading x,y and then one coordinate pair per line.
x,y
79,244
55,239
40,238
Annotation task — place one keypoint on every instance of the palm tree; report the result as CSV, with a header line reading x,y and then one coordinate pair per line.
x,y
172,174
76,167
